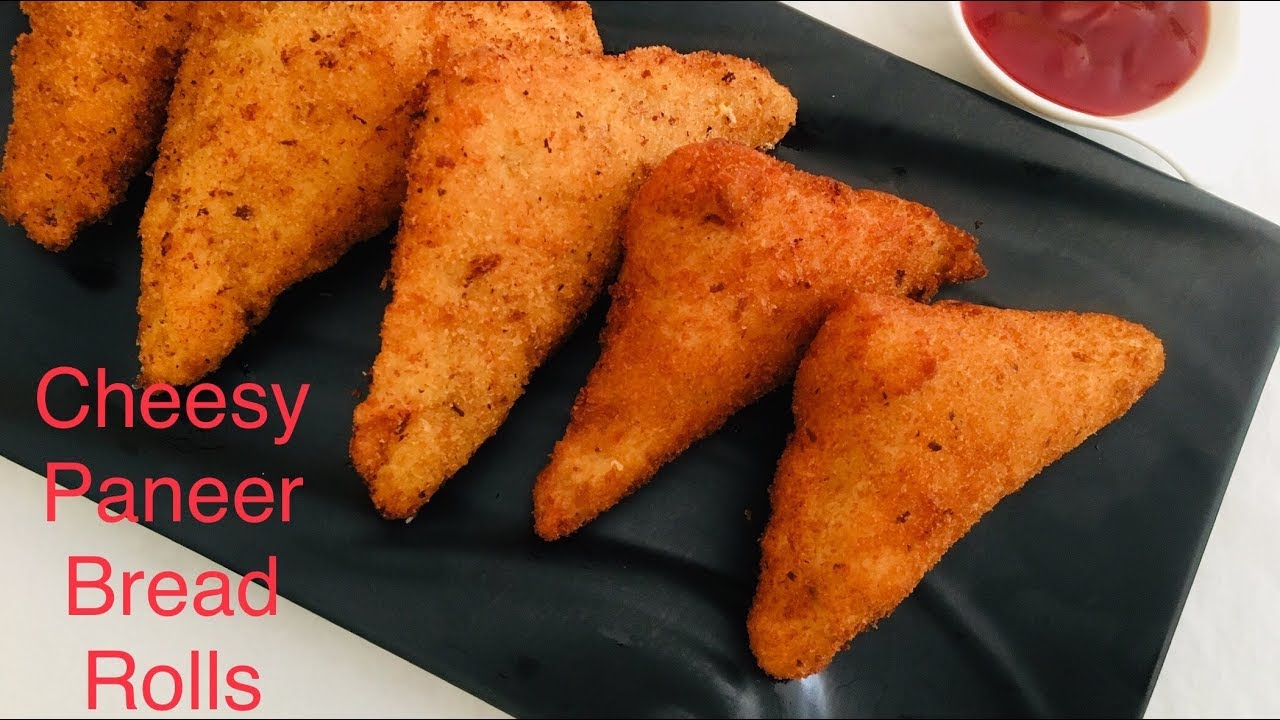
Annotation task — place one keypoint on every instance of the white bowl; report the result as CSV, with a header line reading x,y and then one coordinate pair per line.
x,y
1160,127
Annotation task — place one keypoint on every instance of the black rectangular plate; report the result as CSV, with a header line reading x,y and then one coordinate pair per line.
x,y
1061,602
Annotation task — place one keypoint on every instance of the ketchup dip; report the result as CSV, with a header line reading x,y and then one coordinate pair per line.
x,y
1100,58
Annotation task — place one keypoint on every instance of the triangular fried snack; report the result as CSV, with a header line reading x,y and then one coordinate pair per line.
x,y
911,422
287,137
90,83
731,260
518,189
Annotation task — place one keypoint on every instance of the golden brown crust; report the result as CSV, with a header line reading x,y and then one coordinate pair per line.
x,y
911,423
286,143
90,83
732,258
518,186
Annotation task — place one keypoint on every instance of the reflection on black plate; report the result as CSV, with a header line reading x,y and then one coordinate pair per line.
x,y
1060,603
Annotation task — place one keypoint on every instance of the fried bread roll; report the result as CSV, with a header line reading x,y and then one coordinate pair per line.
x,y
519,184
913,421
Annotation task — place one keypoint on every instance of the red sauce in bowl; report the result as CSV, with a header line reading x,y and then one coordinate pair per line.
x,y
1101,58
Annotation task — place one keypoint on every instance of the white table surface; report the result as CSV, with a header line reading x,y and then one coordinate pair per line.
x,y
1223,660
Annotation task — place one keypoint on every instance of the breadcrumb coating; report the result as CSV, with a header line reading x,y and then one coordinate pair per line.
x,y
518,189
90,83
912,422
286,142
731,261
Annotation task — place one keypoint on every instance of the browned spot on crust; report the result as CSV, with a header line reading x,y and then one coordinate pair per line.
x,y
481,266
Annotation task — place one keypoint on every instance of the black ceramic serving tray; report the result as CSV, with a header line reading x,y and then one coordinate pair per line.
x,y
1061,602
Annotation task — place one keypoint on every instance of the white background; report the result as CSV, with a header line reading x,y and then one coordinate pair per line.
x,y
1223,660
